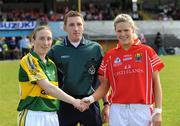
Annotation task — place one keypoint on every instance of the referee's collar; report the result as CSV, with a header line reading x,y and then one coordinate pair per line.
x,y
68,43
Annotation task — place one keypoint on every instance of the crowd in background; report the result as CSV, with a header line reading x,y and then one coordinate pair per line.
x,y
14,47
168,12
89,11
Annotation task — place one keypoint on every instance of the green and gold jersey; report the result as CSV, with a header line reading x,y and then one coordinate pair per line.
x,y
32,96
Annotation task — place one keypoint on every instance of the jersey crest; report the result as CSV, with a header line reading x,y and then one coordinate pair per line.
x,y
138,57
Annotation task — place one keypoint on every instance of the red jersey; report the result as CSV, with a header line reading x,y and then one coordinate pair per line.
x,y
130,73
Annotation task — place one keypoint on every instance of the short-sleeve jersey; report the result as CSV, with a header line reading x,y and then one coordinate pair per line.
x,y
32,96
78,66
129,73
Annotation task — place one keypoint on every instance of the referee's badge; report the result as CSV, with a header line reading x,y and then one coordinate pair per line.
x,y
91,66
92,70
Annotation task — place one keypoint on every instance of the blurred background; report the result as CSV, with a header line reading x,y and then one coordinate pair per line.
x,y
19,17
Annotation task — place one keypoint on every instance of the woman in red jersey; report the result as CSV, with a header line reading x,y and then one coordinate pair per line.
x,y
131,70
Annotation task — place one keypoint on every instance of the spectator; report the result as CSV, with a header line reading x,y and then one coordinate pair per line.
x,y
25,45
1,49
13,51
143,38
159,44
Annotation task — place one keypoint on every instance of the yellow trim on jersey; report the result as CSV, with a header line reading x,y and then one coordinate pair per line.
x,y
22,117
31,66
34,90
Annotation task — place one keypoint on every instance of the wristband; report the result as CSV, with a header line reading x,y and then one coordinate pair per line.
x,y
89,99
157,111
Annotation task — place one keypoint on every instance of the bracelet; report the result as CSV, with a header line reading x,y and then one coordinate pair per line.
x,y
106,103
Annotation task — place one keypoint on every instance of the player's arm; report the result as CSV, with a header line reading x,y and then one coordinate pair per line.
x,y
157,90
157,117
58,93
105,109
100,92
102,89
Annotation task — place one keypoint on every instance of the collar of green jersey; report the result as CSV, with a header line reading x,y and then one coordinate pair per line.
x,y
67,42
34,54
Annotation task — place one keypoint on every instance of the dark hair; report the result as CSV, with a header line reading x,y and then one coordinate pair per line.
x,y
158,33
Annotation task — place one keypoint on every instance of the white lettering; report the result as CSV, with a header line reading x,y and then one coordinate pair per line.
x,y
128,71
14,25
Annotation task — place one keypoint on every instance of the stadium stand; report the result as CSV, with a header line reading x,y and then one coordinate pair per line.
x,y
51,12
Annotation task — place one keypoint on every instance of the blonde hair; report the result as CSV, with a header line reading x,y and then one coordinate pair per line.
x,y
124,18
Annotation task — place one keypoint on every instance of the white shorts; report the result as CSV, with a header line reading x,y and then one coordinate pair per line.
x,y
37,118
130,115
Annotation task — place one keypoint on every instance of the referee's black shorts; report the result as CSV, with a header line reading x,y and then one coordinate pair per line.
x,y
70,116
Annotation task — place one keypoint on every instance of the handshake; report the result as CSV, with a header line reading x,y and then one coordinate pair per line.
x,y
83,104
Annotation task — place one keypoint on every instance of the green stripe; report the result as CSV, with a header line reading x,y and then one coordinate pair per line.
x,y
23,75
